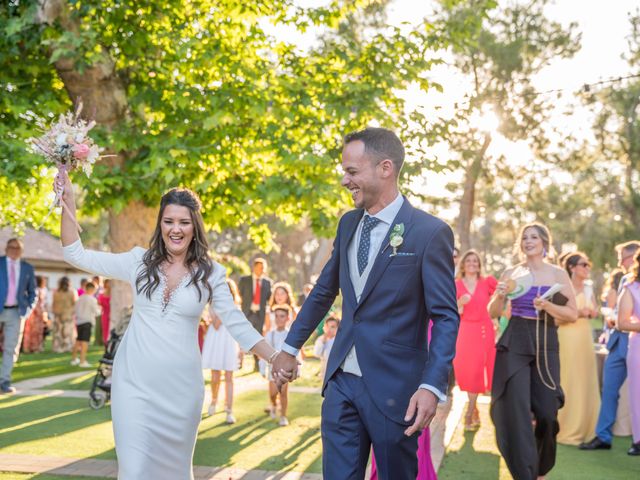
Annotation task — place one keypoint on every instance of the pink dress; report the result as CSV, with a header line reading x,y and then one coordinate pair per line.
x,y
105,303
475,347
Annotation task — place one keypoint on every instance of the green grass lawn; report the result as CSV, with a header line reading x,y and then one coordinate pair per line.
x,y
46,364
475,456
67,427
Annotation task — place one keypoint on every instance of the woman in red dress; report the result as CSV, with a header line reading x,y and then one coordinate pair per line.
x,y
104,299
475,348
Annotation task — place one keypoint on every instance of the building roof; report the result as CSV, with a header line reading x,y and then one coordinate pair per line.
x,y
41,249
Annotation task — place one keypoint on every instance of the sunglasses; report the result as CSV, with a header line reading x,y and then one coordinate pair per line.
x,y
584,264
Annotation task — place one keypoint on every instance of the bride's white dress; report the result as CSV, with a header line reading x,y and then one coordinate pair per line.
x,y
157,385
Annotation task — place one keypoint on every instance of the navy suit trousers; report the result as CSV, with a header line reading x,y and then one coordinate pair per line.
x,y
351,423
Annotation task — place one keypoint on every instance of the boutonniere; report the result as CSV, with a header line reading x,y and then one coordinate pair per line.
x,y
395,238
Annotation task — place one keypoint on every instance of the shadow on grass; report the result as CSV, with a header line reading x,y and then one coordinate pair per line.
x,y
286,460
257,442
29,419
468,463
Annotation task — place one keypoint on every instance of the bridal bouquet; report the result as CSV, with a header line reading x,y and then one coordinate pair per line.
x,y
67,145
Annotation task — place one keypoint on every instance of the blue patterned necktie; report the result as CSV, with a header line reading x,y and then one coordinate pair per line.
x,y
365,242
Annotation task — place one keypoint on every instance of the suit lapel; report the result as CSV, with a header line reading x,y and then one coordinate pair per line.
x,y
3,272
349,232
382,259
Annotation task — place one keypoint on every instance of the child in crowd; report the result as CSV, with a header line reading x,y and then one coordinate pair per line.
x,y
282,316
323,344
86,309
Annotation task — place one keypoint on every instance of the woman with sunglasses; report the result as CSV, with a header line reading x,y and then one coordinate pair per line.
x,y
578,373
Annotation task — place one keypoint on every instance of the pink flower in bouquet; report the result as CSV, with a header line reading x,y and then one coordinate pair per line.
x,y
81,151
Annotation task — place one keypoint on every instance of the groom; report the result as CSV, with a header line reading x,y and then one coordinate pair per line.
x,y
393,265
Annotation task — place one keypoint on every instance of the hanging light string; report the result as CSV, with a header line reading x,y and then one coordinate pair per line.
x,y
585,88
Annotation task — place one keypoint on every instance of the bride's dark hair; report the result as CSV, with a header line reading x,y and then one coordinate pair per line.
x,y
197,259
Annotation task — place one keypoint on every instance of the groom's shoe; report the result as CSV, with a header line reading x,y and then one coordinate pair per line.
x,y
634,450
595,444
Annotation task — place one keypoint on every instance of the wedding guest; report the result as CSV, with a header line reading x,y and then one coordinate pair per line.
x,y
578,371
322,347
255,291
610,289
475,347
98,336
614,372
104,300
629,321
64,300
17,296
86,310
275,338
306,290
220,354
34,328
83,283
609,300
526,377
281,294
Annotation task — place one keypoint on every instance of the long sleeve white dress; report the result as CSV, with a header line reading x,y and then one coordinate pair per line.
x,y
157,387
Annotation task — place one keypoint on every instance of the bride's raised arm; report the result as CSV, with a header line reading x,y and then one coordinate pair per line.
x,y
121,266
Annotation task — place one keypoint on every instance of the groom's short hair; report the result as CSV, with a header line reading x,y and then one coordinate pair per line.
x,y
380,144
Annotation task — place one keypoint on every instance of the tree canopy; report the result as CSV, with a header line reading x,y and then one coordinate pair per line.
x,y
204,94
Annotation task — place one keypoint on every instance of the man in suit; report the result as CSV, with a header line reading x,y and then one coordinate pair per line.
x,y
255,290
614,371
393,265
17,297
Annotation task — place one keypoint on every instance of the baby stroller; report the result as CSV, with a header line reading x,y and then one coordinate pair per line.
x,y
100,391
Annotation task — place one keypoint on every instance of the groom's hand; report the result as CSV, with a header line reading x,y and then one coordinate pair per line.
x,y
284,368
422,405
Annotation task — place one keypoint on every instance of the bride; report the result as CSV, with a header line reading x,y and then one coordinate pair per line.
x,y
158,388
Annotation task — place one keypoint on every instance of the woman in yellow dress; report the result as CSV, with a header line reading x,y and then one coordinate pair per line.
x,y
578,374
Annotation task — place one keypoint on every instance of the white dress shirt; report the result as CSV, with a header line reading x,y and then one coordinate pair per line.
x,y
386,217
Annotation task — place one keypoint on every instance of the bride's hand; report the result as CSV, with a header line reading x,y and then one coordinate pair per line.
x,y
67,193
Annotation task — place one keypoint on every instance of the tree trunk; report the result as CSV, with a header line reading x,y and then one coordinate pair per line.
x,y
131,227
321,256
467,203
104,100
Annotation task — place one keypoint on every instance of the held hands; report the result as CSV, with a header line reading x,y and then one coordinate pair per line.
x,y
284,368
422,405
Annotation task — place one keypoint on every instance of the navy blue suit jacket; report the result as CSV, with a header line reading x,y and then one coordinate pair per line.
x,y
26,286
389,324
